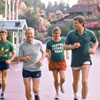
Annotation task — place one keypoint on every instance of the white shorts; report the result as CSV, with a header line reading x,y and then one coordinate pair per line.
x,y
78,68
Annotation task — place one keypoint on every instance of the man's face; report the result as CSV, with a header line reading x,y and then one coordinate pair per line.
x,y
77,25
3,37
30,36
56,34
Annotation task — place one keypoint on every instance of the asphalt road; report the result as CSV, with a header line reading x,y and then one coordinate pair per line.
x,y
15,86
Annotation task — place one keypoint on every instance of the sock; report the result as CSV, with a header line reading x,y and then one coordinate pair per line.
x,y
75,95
36,94
83,99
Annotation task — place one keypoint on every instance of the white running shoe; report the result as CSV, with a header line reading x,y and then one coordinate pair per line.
x,y
57,96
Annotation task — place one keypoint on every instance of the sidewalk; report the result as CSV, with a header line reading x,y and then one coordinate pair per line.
x,y
15,86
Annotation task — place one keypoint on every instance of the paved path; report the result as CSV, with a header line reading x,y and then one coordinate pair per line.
x,y
15,86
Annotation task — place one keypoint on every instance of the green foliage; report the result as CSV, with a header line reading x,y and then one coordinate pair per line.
x,y
29,3
2,7
31,19
53,8
64,28
10,36
38,3
34,3
54,18
49,8
50,30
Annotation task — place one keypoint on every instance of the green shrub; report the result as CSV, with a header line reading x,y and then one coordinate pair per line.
x,y
10,37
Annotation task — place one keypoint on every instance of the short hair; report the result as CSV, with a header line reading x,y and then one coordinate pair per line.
x,y
4,31
80,19
56,29
29,28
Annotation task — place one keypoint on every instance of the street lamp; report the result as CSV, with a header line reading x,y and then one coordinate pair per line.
x,y
3,26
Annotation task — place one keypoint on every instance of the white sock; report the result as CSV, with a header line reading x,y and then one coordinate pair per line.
x,y
36,94
83,99
75,95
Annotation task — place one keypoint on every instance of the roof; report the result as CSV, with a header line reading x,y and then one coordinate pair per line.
x,y
13,25
83,8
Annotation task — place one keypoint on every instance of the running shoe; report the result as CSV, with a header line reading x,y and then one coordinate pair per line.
x,y
2,96
57,97
37,97
75,98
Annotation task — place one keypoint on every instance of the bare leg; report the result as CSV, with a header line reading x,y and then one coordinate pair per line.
x,y
36,84
85,72
62,80
56,83
27,83
0,77
76,77
4,79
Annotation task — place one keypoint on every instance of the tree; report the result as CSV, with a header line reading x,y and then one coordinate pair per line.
x,y
10,36
31,18
2,7
49,8
55,7
29,3
64,28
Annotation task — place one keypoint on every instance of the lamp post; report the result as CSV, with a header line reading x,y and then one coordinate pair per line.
x,y
3,26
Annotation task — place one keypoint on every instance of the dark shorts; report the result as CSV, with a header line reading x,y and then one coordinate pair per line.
x,y
3,65
61,65
27,74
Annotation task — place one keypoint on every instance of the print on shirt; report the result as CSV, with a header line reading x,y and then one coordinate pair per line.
x,y
57,48
3,52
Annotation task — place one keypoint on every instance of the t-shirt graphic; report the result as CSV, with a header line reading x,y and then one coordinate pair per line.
x,y
57,51
3,52
57,48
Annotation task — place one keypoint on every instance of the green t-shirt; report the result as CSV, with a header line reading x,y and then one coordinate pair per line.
x,y
5,49
81,54
57,51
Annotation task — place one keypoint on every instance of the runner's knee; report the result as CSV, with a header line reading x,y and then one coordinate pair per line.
x,y
3,81
35,90
62,80
75,82
84,82
56,82
28,90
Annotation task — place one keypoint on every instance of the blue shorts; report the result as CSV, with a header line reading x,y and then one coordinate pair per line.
x,y
3,65
27,74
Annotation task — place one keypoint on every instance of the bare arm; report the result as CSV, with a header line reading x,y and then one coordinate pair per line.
x,y
69,47
40,62
95,46
11,58
67,54
43,56
27,58
48,54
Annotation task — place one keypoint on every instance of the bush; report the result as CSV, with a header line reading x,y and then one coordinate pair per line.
x,y
10,37
64,28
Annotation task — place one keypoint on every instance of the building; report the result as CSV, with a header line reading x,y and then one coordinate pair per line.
x,y
89,11
88,2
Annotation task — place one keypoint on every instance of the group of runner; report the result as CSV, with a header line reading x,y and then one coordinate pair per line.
x,y
32,54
